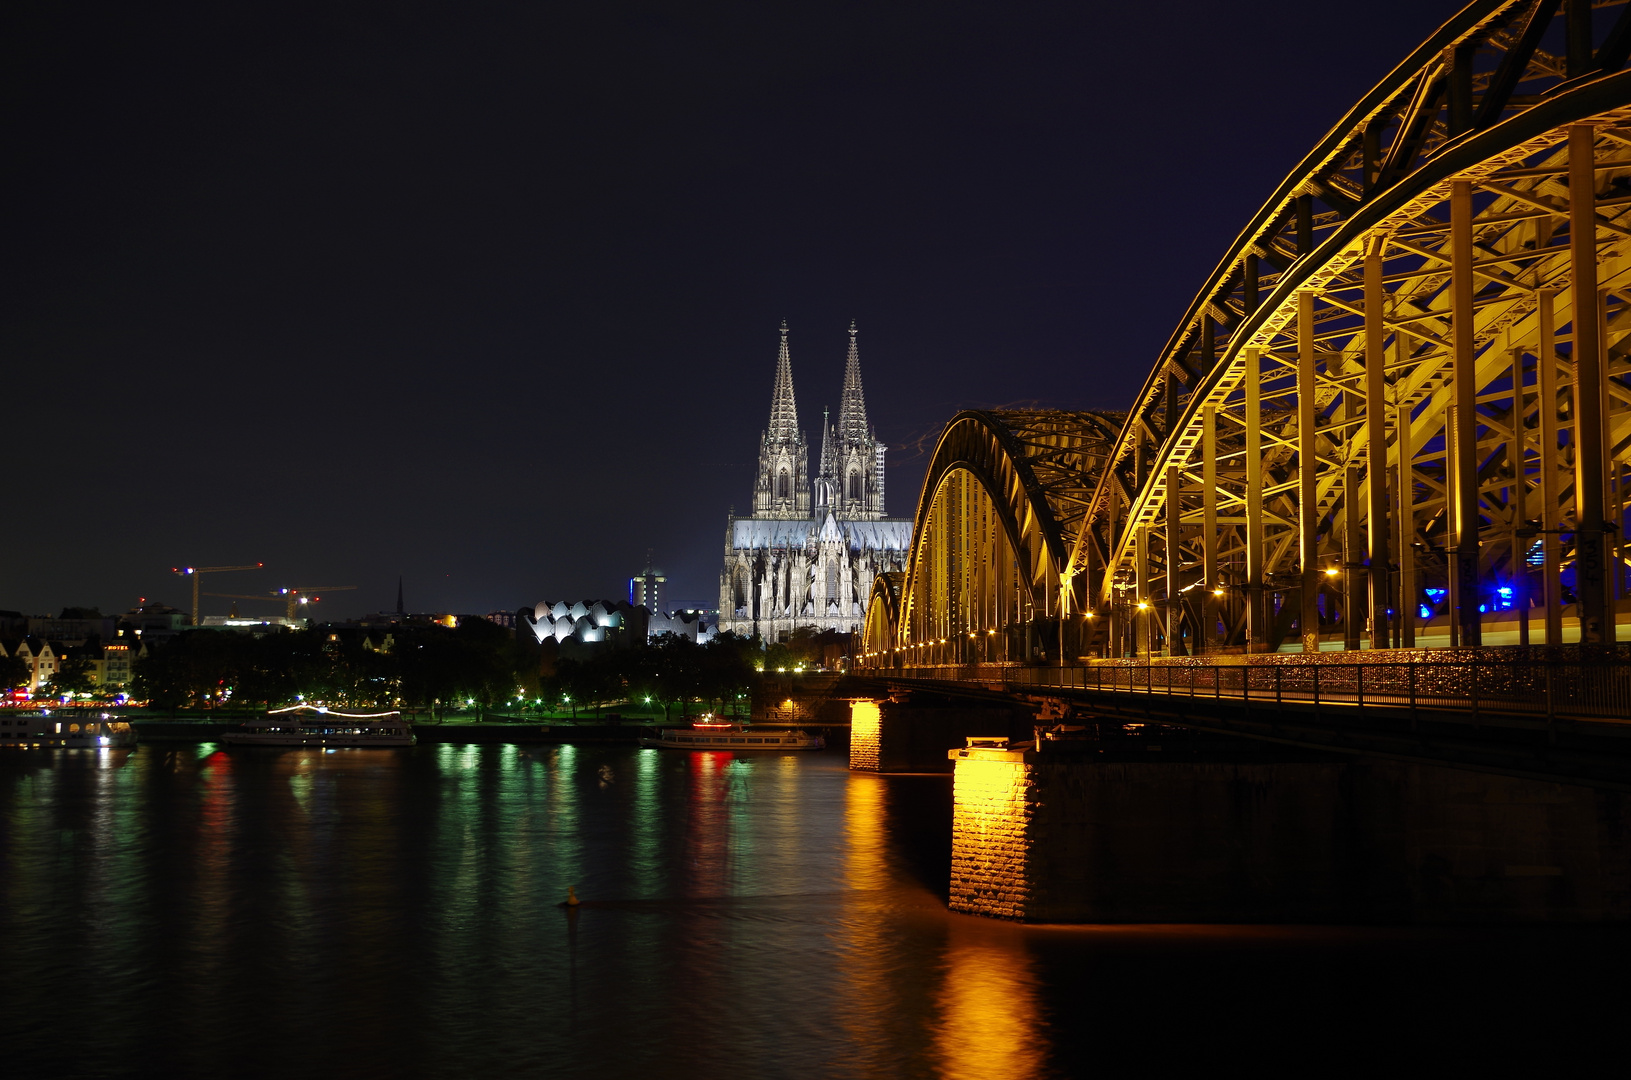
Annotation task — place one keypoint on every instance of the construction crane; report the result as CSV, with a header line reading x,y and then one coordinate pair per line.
x,y
303,594
291,599
196,572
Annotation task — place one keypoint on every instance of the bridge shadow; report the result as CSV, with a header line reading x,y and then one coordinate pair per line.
x,y
917,815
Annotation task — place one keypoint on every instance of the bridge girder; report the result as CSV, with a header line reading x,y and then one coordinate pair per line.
x,y
1394,389
1002,503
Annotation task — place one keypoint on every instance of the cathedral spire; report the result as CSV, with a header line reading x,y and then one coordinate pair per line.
x,y
783,487
784,413
852,426
826,471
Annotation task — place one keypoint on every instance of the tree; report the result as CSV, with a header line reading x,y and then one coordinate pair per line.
x,y
798,650
75,675
15,673
727,668
670,671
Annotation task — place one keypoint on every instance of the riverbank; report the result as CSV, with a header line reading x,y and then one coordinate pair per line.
x,y
488,731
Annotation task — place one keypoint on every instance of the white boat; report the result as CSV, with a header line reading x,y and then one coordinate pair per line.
x,y
308,725
66,731
710,733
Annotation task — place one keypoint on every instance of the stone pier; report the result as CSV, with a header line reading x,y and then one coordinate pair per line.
x,y
913,735
1077,837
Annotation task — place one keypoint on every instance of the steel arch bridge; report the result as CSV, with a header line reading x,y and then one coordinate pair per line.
x,y
1396,414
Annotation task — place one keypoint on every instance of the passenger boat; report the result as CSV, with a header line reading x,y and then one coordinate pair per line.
x,y
308,725
712,733
66,731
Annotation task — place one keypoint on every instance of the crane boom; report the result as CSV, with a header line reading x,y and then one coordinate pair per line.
x,y
196,572
301,594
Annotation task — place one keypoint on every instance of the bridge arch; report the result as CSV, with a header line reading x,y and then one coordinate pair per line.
x,y
1397,413
1393,416
1000,501
880,630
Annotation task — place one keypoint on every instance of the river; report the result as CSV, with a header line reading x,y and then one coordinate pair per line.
x,y
181,910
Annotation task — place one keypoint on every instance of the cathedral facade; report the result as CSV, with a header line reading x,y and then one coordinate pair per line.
x,y
809,552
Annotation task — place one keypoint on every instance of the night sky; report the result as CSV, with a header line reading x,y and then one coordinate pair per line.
x,y
486,294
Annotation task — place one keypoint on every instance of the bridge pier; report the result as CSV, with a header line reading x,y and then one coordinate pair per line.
x,y
1089,836
913,733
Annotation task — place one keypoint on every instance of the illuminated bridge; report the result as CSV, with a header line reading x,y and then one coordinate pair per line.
x,y
1373,491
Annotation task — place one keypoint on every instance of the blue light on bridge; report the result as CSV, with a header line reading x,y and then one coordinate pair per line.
x,y
1434,598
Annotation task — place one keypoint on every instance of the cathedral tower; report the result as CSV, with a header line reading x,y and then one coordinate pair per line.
x,y
857,459
810,552
783,487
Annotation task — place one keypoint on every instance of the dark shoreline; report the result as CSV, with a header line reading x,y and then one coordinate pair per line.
x,y
520,733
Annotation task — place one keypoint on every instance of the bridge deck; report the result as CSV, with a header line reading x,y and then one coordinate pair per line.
x,y
1565,721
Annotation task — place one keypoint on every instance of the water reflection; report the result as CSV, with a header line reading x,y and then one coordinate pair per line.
x,y
988,1011
394,913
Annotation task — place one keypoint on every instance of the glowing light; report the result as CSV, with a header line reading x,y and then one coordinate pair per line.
x,y
325,710
1332,572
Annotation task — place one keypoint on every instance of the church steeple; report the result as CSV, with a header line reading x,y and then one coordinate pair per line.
x,y
783,486
857,459
784,410
852,425
825,472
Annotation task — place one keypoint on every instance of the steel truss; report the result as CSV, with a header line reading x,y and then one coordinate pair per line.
x,y
1397,415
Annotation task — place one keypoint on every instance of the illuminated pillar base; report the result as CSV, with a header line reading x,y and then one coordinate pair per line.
x,y
913,735
1071,838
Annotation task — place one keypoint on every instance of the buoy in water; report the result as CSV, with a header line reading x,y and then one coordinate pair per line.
x,y
571,897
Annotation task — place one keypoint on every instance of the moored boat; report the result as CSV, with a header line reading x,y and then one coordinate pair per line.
x,y
711,733
308,725
66,731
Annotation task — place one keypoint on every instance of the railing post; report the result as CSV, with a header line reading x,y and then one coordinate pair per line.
x,y
1551,718
1359,685
1412,666
1316,693
1475,693
1279,700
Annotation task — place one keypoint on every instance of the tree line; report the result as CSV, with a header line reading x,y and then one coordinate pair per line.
x,y
476,665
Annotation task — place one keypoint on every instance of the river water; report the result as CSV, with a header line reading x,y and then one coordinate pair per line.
x,y
181,910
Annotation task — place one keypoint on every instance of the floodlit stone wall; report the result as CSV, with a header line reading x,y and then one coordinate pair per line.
x,y
911,737
863,735
991,836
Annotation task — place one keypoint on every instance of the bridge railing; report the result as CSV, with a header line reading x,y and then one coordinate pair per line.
x,y
1550,689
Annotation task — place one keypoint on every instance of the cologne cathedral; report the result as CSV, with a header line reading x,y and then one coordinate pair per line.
x,y
809,553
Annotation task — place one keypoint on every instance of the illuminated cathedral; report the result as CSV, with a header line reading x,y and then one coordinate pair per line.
x,y
809,552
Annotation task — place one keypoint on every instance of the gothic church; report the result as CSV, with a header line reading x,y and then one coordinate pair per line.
x,y
809,553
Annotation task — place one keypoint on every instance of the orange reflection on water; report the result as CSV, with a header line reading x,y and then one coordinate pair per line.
x,y
987,1016
872,1013
707,825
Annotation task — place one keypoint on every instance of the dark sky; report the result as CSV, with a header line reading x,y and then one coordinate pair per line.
x,y
486,294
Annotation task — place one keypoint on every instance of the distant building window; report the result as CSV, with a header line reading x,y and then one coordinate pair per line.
x,y
783,486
